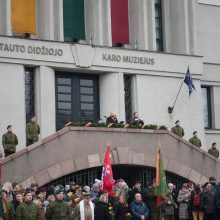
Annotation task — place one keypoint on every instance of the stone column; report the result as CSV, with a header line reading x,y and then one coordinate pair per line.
x,y
45,100
98,22
142,24
46,19
12,96
112,95
58,20
179,26
5,17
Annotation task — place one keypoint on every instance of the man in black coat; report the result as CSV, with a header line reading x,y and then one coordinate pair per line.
x,y
112,118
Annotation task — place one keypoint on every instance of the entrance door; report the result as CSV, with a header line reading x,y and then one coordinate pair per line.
x,y
76,98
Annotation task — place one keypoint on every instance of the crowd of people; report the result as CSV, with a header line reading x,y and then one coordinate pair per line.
x,y
77,202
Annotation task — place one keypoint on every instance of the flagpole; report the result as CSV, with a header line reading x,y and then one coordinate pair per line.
x,y
170,109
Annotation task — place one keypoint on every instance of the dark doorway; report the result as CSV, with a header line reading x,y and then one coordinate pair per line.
x,y
77,98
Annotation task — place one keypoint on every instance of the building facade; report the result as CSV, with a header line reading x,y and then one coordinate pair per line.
x,y
89,58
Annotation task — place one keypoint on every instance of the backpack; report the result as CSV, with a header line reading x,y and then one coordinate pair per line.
x,y
197,199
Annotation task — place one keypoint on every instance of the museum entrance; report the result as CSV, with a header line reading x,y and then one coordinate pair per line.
x,y
127,172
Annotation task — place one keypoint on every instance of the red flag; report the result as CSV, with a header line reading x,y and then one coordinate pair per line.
x,y
107,175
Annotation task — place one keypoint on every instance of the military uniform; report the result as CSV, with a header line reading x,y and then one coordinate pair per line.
x,y
32,132
178,130
27,211
214,152
57,210
9,214
196,141
9,142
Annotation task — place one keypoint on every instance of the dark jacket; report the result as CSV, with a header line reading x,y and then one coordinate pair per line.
x,y
138,209
209,201
120,211
202,202
111,120
137,122
102,211
217,198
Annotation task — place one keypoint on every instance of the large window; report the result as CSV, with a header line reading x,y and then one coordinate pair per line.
x,y
77,98
128,98
158,24
29,94
207,108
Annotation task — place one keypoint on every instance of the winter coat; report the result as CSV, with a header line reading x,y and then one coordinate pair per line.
x,y
138,209
183,200
209,201
120,211
102,211
192,206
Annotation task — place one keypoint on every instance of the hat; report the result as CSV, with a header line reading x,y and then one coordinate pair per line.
x,y
42,189
84,193
9,126
58,191
212,178
177,121
194,132
26,193
185,185
118,181
197,186
213,144
67,199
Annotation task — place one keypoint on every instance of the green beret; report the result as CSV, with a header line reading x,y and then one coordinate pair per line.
x,y
58,191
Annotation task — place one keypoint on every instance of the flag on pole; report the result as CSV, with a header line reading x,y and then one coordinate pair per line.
x,y
23,16
189,82
161,183
107,175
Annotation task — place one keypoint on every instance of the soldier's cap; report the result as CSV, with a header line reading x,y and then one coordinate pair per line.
x,y
67,199
177,121
84,193
213,144
9,126
212,178
58,191
27,192
118,181
42,190
194,132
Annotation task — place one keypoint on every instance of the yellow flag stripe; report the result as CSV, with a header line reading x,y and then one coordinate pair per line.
x,y
23,16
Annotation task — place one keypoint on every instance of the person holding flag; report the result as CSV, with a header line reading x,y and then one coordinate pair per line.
x,y
164,197
107,174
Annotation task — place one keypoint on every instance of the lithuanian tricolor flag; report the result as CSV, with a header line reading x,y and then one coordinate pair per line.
x,y
161,183
23,16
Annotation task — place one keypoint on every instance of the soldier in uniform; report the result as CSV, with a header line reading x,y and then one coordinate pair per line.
x,y
9,141
177,129
214,151
7,207
195,140
57,210
27,210
32,131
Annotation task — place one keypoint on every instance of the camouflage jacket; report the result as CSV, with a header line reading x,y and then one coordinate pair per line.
x,y
9,141
196,141
178,130
214,152
32,131
57,210
27,211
